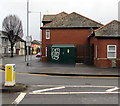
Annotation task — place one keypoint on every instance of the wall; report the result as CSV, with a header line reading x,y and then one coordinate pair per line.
x,y
65,36
100,58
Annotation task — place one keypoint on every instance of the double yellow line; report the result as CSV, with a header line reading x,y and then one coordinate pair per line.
x,y
56,75
61,76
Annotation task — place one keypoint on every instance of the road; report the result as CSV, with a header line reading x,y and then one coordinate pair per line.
x,y
64,90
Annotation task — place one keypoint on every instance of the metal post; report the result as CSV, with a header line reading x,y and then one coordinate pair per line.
x,y
25,50
27,31
40,25
28,62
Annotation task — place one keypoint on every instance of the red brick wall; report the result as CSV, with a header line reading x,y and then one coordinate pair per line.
x,y
102,60
65,36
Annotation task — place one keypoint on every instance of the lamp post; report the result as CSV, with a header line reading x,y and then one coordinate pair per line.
x,y
29,38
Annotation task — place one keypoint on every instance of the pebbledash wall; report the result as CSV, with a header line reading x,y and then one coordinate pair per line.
x,y
101,58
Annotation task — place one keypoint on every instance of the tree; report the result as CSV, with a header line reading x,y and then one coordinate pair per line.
x,y
12,26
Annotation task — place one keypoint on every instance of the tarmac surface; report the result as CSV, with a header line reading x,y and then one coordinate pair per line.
x,y
37,67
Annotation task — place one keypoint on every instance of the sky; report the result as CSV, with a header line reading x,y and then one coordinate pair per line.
x,y
102,11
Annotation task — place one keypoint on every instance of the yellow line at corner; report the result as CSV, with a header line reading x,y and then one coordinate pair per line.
x,y
32,74
61,76
28,74
2,71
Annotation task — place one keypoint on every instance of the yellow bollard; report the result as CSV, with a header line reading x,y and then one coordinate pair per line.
x,y
10,74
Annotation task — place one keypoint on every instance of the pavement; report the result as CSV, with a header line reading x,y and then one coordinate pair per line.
x,y
37,67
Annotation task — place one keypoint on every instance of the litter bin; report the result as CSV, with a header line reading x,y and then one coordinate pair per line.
x,y
10,74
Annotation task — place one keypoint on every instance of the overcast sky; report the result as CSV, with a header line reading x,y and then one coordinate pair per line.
x,y
102,11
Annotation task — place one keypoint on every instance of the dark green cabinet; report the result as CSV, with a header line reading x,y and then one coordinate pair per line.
x,y
63,54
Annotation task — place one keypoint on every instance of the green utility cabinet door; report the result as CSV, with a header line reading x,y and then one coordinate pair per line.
x,y
63,53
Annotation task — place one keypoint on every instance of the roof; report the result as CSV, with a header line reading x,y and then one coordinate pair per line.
x,y
50,18
109,30
73,20
63,46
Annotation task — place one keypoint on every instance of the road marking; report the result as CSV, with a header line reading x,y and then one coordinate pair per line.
x,y
113,89
63,76
68,93
89,86
2,71
19,98
43,91
48,89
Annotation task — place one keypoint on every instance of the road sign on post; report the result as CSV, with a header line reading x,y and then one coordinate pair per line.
x,y
28,40
28,44
10,74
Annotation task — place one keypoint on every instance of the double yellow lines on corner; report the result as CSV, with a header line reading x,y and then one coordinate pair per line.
x,y
60,76
0,69
28,74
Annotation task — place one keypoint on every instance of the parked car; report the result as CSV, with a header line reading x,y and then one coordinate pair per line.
x,y
39,54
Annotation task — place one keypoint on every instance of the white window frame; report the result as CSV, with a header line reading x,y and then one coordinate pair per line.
x,y
47,34
111,51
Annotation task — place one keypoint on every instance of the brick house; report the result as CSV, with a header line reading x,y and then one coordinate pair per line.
x,y
67,29
106,41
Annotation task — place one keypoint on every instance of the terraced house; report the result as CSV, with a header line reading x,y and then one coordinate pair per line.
x,y
64,30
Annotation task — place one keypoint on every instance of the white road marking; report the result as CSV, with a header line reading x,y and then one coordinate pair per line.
x,y
19,98
113,89
66,93
89,86
43,91
48,89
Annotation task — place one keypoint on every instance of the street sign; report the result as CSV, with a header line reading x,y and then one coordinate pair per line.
x,y
28,40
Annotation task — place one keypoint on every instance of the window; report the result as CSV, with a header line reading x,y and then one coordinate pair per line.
x,y
47,34
111,51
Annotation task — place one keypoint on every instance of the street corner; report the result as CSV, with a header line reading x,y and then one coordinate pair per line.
x,y
19,87
2,67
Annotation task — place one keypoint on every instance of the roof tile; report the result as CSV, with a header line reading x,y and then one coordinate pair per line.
x,y
110,29
73,20
54,17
